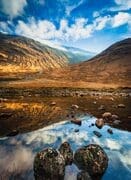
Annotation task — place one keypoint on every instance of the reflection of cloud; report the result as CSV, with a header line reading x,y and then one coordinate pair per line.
x,y
17,160
113,145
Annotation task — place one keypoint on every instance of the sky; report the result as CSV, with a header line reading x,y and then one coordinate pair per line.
x,y
92,25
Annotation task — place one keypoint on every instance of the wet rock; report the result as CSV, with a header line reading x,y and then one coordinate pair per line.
x,y
67,153
99,123
74,106
83,175
114,117
92,159
92,124
110,131
98,134
53,103
49,164
76,121
121,106
76,130
107,115
116,122
13,133
102,107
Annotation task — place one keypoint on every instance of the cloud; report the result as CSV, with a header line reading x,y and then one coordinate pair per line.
x,y
13,8
4,27
70,8
46,30
120,19
121,5
101,22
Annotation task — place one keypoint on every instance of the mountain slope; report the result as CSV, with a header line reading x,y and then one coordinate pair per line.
x,y
20,54
111,66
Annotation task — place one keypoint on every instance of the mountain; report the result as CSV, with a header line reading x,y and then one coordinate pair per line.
x,y
76,55
112,66
21,54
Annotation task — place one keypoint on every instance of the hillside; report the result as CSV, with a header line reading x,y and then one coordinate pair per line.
x,y
20,54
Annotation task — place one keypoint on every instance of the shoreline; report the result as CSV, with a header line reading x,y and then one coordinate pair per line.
x,y
63,92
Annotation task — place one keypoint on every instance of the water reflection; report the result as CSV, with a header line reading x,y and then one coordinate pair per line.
x,y
17,153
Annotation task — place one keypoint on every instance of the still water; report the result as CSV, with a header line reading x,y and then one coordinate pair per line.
x,y
17,153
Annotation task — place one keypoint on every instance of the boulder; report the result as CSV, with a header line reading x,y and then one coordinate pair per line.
x,y
114,117
102,107
98,134
74,106
83,175
91,158
76,121
121,106
49,164
99,123
66,152
107,115
110,131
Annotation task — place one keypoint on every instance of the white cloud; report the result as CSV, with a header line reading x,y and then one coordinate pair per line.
x,y
46,30
120,19
121,5
101,22
13,8
96,14
70,8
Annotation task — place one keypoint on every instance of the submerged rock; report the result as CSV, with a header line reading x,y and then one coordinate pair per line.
x,y
67,153
99,123
83,175
49,164
91,158
98,134
110,131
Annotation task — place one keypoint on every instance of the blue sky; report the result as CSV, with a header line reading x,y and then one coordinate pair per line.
x,y
88,24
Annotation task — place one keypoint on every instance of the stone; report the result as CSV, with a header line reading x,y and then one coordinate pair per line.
x,y
66,152
102,107
49,164
13,133
99,123
114,117
121,106
53,103
110,131
83,175
116,122
74,106
98,134
107,115
76,121
91,158
76,130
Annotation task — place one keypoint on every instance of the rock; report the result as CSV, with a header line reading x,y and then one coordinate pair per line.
x,y
116,122
13,133
67,153
92,124
49,164
99,123
102,107
114,117
53,103
110,131
121,106
98,134
94,102
83,175
74,106
107,115
76,130
92,159
76,121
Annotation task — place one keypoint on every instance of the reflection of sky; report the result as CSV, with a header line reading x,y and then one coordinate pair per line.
x,y
17,153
